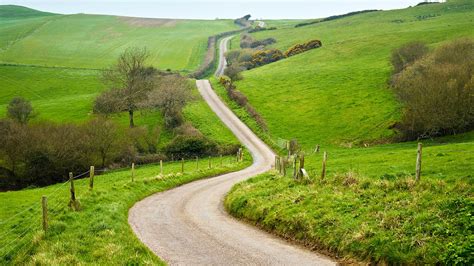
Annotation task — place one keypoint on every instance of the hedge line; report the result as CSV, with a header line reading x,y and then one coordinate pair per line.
x,y
334,17
210,57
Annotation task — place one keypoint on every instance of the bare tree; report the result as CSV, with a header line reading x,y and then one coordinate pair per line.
x,y
20,110
13,143
171,95
103,139
130,81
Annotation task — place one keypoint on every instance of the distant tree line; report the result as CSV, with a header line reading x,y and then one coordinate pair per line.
x,y
436,88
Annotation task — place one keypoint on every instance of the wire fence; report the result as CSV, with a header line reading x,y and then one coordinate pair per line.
x,y
19,229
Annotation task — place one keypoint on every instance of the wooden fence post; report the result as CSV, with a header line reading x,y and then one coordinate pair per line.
x,y
72,202
323,172
44,205
161,167
242,155
301,167
276,162
210,165
91,177
317,148
288,148
222,163
295,172
418,161
283,167
197,162
133,172
182,165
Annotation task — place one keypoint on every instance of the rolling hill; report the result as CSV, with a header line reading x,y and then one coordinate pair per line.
x,y
94,41
338,97
54,61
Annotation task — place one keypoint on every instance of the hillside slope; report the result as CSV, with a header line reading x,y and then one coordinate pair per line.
x,y
94,41
54,61
338,94
368,206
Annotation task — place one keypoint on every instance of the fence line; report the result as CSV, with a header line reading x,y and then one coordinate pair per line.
x,y
55,200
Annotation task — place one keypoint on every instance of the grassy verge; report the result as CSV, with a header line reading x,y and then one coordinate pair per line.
x,y
394,221
99,233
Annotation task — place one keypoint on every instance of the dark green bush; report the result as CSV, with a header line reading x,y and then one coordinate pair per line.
x,y
183,146
258,28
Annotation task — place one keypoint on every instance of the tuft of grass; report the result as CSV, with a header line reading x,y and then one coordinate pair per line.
x,y
99,233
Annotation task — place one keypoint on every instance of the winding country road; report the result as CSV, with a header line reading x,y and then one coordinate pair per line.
x,y
189,226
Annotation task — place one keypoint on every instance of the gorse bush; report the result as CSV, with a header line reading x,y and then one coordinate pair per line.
x,y
300,48
437,92
263,57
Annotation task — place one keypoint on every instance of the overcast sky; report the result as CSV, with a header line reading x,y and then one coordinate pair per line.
x,y
210,9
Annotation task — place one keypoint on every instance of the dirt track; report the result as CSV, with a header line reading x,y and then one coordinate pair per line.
x,y
189,226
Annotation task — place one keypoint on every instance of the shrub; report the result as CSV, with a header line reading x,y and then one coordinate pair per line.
x,y
238,97
438,92
170,96
407,55
232,56
234,72
257,117
107,103
262,43
44,153
246,41
20,110
300,48
183,146
258,28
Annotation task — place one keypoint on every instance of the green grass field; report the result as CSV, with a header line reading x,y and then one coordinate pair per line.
x,y
99,233
95,41
338,97
67,95
62,80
